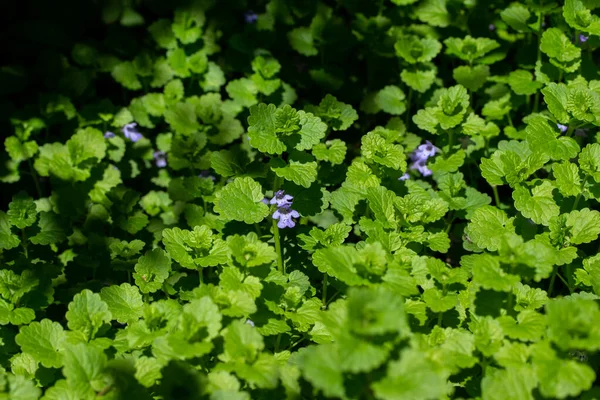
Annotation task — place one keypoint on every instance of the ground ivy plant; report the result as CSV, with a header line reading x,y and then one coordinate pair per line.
x,y
392,200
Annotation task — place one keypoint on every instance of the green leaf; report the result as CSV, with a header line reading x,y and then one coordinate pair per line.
x,y
581,18
567,178
529,326
418,80
320,366
473,78
241,200
303,174
417,50
20,151
152,270
556,97
261,129
487,227
311,132
339,116
43,340
182,118
338,262
433,12
516,16
22,211
162,34
391,100
381,202
7,239
521,82
124,302
243,91
589,160
470,48
302,40
539,205
556,45
83,368
560,378
242,342
488,273
125,74
411,377
584,224
573,323
87,313
333,151
512,383
374,148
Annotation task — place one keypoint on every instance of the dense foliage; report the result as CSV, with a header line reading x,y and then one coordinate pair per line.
x,y
294,199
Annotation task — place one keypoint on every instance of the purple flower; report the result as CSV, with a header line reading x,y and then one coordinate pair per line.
x,y
421,166
492,27
265,201
250,322
130,131
426,150
404,177
109,135
160,158
285,215
563,128
250,17
583,38
206,174
281,199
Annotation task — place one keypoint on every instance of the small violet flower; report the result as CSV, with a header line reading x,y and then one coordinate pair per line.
x,y
281,199
285,215
421,166
250,17
563,128
160,158
492,27
250,322
404,177
130,131
109,135
583,38
426,150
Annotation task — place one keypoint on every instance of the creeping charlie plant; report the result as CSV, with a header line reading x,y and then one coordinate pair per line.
x,y
392,200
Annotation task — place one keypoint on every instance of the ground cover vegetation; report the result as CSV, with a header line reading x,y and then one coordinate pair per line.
x,y
294,199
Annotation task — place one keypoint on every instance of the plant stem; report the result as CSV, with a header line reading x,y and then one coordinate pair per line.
x,y
324,292
35,179
496,197
201,276
276,238
552,279
536,99
580,193
24,242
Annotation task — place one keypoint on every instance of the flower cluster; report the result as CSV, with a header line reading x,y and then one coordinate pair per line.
x,y
284,212
419,158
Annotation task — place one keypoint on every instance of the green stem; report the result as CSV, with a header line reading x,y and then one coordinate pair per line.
x,y
552,279
324,293
510,304
450,140
258,230
35,179
580,193
496,197
24,243
509,119
276,238
201,276
536,100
